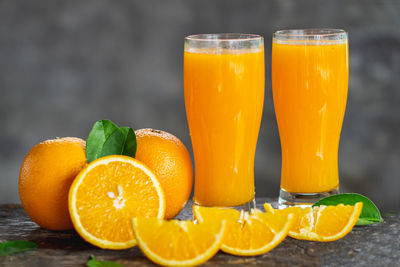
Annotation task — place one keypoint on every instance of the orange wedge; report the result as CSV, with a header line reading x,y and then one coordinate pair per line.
x,y
248,234
178,243
323,223
107,194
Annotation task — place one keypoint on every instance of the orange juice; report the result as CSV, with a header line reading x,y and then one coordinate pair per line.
x,y
310,80
224,95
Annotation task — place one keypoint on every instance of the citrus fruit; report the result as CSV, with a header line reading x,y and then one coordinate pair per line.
x,y
169,159
178,243
45,177
323,223
248,234
107,194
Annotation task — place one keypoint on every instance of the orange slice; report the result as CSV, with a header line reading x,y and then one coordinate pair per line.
x,y
107,194
248,234
323,223
178,243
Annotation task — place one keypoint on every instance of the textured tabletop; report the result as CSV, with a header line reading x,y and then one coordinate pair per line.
x,y
365,246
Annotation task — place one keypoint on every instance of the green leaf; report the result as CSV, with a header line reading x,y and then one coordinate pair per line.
x,y
16,246
107,139
362,221
120,142
369,214
100,132
114,145
130,143
94,263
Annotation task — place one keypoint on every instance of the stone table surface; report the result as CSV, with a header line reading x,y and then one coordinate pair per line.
x,y
374,245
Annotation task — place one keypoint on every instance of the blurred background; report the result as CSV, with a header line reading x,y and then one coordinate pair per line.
x,y
66,64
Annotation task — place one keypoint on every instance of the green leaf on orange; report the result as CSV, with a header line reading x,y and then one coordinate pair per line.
x,y
100,132
130,141
121,142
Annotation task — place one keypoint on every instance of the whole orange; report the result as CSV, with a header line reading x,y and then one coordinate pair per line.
x,y
46,175
169,159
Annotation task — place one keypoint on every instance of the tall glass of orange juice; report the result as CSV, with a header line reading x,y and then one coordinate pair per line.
x,y
224,80
310,72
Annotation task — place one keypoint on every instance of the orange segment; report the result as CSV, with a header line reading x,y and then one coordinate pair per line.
x,y
178,243
303,218
248,234
324,223
107,194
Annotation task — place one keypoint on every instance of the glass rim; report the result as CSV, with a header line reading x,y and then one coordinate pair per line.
x,y
223,37
311,33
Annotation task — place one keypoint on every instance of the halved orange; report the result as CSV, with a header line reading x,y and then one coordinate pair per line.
x,y
248,234
323,223
178,243
107,194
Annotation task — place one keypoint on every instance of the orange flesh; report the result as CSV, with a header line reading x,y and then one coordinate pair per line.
x,y
331,222
110,218
310,91
224,95
324,223
246,234
177,240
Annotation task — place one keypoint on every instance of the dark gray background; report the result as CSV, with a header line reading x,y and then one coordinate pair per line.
x,y
66,64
